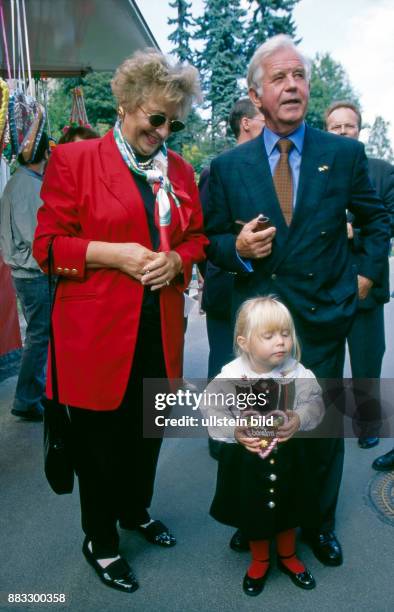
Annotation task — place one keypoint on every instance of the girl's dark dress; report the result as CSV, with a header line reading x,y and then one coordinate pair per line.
x,y
263,497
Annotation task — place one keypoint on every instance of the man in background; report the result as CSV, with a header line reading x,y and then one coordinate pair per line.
x,y
366,338
18,214
246,123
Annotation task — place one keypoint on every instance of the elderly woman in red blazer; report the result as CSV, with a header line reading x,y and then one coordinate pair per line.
x,y
124,218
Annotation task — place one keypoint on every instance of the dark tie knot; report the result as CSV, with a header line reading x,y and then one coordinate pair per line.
x,y
284,145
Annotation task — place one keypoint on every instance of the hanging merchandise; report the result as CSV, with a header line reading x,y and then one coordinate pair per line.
x,y
26,121
4,97
78,116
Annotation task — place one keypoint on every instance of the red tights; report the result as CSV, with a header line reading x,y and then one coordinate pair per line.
x,y
285,545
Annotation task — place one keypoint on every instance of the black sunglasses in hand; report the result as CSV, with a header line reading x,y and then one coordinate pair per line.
x,y
157,119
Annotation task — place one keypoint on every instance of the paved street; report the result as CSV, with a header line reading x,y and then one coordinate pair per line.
x,y
40,536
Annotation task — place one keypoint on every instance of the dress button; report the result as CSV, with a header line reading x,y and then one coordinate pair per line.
x,y
272,477
74,271
273,276
272,491
66,270
59,269
271,505
272,461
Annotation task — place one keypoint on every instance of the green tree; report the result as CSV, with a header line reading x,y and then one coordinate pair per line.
x,y
378,144
221,60
99,102
268,18
329,83
180,37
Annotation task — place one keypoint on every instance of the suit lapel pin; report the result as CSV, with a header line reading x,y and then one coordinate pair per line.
x,y
323,168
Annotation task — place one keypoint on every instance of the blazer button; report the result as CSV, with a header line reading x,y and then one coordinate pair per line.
x,y
273,276
59,269
310,275
313,309
323,234
74,271
66,271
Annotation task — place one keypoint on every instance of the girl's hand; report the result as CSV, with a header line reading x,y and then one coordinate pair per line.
x,y
162,270
251,444
287,430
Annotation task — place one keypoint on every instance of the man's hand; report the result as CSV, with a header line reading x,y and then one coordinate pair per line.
x,y
254,245
162,270
364,286
288,430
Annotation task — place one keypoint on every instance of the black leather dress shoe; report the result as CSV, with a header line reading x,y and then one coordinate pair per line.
x,y
385,462
29,415
304,580
254,586
238,542
325,547
368,442
117,575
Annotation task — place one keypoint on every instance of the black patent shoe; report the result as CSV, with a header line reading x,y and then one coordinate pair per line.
x,y
304,580
117,575
158,533
254,586
385,462
368,442
238,542
326,548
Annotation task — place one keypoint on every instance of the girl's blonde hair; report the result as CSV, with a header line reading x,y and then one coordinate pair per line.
x,y
148,73
264,313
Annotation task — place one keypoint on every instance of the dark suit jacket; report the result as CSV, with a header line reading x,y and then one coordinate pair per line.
x,y
381,174
218,284
310,267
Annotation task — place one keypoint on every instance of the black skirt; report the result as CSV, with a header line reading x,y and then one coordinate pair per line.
x,y
263,497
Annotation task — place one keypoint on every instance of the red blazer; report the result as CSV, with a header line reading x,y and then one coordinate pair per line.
x,y
89,194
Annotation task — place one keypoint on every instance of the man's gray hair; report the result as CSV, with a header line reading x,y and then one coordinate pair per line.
x,y
271,46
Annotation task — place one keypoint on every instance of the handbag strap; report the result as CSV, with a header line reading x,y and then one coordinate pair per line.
x,y
55,387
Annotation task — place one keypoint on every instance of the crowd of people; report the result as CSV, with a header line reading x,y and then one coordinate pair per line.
x,y
293,241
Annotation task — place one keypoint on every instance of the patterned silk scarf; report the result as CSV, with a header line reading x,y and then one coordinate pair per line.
x,y
156,175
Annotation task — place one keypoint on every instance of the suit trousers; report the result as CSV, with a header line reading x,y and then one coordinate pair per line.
x,y
366,345
325,450
115,464
220,339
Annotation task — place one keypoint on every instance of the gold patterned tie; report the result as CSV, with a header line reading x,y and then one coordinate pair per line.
x,y
283,179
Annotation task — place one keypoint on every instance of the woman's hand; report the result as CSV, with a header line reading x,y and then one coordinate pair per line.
x,y
287,430
133,258
160,271
251,444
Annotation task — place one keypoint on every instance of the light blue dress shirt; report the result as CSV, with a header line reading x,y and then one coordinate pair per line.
x,y
270,141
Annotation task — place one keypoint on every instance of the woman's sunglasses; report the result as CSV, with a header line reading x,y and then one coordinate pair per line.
x,y
156,120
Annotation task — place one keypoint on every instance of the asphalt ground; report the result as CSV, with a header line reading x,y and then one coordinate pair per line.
x,y
40,535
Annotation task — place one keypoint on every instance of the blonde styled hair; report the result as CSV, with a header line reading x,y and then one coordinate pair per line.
x,y
148,73
264,313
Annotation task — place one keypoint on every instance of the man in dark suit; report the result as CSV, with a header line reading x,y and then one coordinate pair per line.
x,y
304,180
366,338
246,122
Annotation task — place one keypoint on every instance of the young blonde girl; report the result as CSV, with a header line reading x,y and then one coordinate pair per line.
x,y
263,487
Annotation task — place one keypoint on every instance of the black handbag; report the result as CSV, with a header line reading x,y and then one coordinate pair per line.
x,y
58,460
